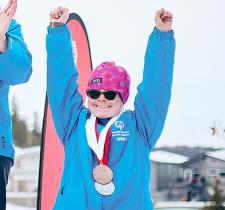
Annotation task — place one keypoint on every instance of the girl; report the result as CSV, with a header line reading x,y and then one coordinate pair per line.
x,y
107,150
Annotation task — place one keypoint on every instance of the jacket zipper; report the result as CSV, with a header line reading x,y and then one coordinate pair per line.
x,y
3,142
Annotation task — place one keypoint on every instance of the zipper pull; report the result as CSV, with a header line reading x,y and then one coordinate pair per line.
x,y
3,142
62,190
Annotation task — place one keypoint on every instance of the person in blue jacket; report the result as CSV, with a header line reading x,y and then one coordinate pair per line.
x,y
106,164
15,68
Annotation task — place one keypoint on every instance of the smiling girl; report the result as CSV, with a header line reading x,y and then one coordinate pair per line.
x,y
106,164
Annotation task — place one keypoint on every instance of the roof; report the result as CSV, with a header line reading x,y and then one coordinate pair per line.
x,y
10,206
167,157
218,154
26,151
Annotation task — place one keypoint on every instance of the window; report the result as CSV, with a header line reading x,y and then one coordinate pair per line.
x,y
188,175
222,172
212,173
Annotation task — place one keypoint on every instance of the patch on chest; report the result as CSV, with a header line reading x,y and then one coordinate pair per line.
x,y
120,134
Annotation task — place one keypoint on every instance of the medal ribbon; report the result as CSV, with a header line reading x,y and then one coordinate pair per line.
x,y
98,145
104,159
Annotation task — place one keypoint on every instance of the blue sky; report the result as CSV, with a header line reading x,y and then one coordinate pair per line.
x,y
118,30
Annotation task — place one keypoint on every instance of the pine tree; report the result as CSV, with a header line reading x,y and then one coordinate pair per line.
x,y
217,198
35,133
20,131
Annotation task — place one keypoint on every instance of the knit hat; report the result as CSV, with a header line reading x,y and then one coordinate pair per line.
x,y
107,76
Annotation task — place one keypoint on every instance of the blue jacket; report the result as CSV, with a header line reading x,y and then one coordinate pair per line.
x,y
128,157
15,68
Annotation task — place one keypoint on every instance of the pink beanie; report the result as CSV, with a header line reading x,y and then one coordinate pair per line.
x,y
107,76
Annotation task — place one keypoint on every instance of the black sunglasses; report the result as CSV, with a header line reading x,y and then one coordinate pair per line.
x,y
95,94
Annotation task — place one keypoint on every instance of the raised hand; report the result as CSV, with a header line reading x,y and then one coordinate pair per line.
x,y
163,20
6,16
59,15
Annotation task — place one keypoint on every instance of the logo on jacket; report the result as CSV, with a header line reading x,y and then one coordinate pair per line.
x,y
75,51
120,134
119,124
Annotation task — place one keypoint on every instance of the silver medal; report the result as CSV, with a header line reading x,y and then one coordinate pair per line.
x,y
105,189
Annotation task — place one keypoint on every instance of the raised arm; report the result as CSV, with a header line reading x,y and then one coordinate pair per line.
x,y
62,88
154,92
15,59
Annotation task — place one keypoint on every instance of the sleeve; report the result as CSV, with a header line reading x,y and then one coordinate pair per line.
x,y
154,92
15,62
62,88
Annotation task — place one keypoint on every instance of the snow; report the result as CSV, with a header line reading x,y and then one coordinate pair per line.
x,y
167,157
218,154
10,206
180,205
26,151
21,194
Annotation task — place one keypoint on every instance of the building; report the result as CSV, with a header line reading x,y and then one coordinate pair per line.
x,y
178,177
165,174
23,179
201,172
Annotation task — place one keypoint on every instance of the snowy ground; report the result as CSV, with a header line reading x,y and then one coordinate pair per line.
x,y
10,206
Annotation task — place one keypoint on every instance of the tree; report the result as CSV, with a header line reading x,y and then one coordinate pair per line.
x,y
217,198
35,133
20,131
